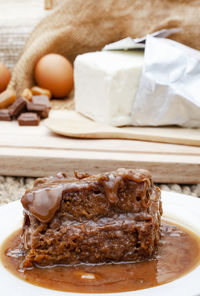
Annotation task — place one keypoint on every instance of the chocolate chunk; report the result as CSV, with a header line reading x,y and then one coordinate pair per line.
x,y
44,113
41,100
17,107
4,115
42,110
28,119
40,104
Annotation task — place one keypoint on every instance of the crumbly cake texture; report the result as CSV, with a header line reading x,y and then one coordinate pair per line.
x,y
110,217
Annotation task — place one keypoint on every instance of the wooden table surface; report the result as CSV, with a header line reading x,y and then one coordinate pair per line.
x,y
35,151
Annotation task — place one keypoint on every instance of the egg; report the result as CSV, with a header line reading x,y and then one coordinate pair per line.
x,y
55,73
4,77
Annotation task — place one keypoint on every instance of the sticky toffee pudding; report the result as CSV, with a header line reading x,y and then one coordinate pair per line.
x,y
98,234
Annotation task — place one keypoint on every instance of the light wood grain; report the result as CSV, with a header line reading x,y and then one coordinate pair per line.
x,y
77,126
34,151
34,162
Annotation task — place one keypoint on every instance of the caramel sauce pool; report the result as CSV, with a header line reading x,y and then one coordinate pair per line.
x,y
178,253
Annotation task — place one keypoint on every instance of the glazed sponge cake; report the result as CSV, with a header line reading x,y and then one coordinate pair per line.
x,y
110,217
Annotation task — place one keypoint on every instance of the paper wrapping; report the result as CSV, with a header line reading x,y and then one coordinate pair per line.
x,y
139,43
169,89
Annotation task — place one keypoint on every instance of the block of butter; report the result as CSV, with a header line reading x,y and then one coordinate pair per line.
x,y
106,83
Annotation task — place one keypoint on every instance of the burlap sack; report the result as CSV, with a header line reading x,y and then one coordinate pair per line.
x,y
77,26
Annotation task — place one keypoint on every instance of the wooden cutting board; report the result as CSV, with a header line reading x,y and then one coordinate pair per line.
x,y
35,151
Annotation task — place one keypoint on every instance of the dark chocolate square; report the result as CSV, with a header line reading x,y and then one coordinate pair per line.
x,y
41,100
17,107
28,119
4,115
42,110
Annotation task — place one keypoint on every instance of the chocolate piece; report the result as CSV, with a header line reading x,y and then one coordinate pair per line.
x,y
104,218
41,100
40,104
42,110
28,119
17,107
4,115
7,97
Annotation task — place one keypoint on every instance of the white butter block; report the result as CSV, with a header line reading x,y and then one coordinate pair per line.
x,y
106,83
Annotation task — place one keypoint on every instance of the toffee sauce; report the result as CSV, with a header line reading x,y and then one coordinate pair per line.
x,y
178,253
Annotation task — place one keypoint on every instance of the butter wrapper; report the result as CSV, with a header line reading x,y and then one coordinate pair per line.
x,y
129,43
169,89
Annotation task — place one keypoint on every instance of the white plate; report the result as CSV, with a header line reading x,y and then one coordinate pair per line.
x,y
182,209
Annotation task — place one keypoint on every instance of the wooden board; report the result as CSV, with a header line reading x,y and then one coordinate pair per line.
x,y
35,151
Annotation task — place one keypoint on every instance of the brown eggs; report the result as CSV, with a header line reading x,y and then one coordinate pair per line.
x,y
4,77
55,72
